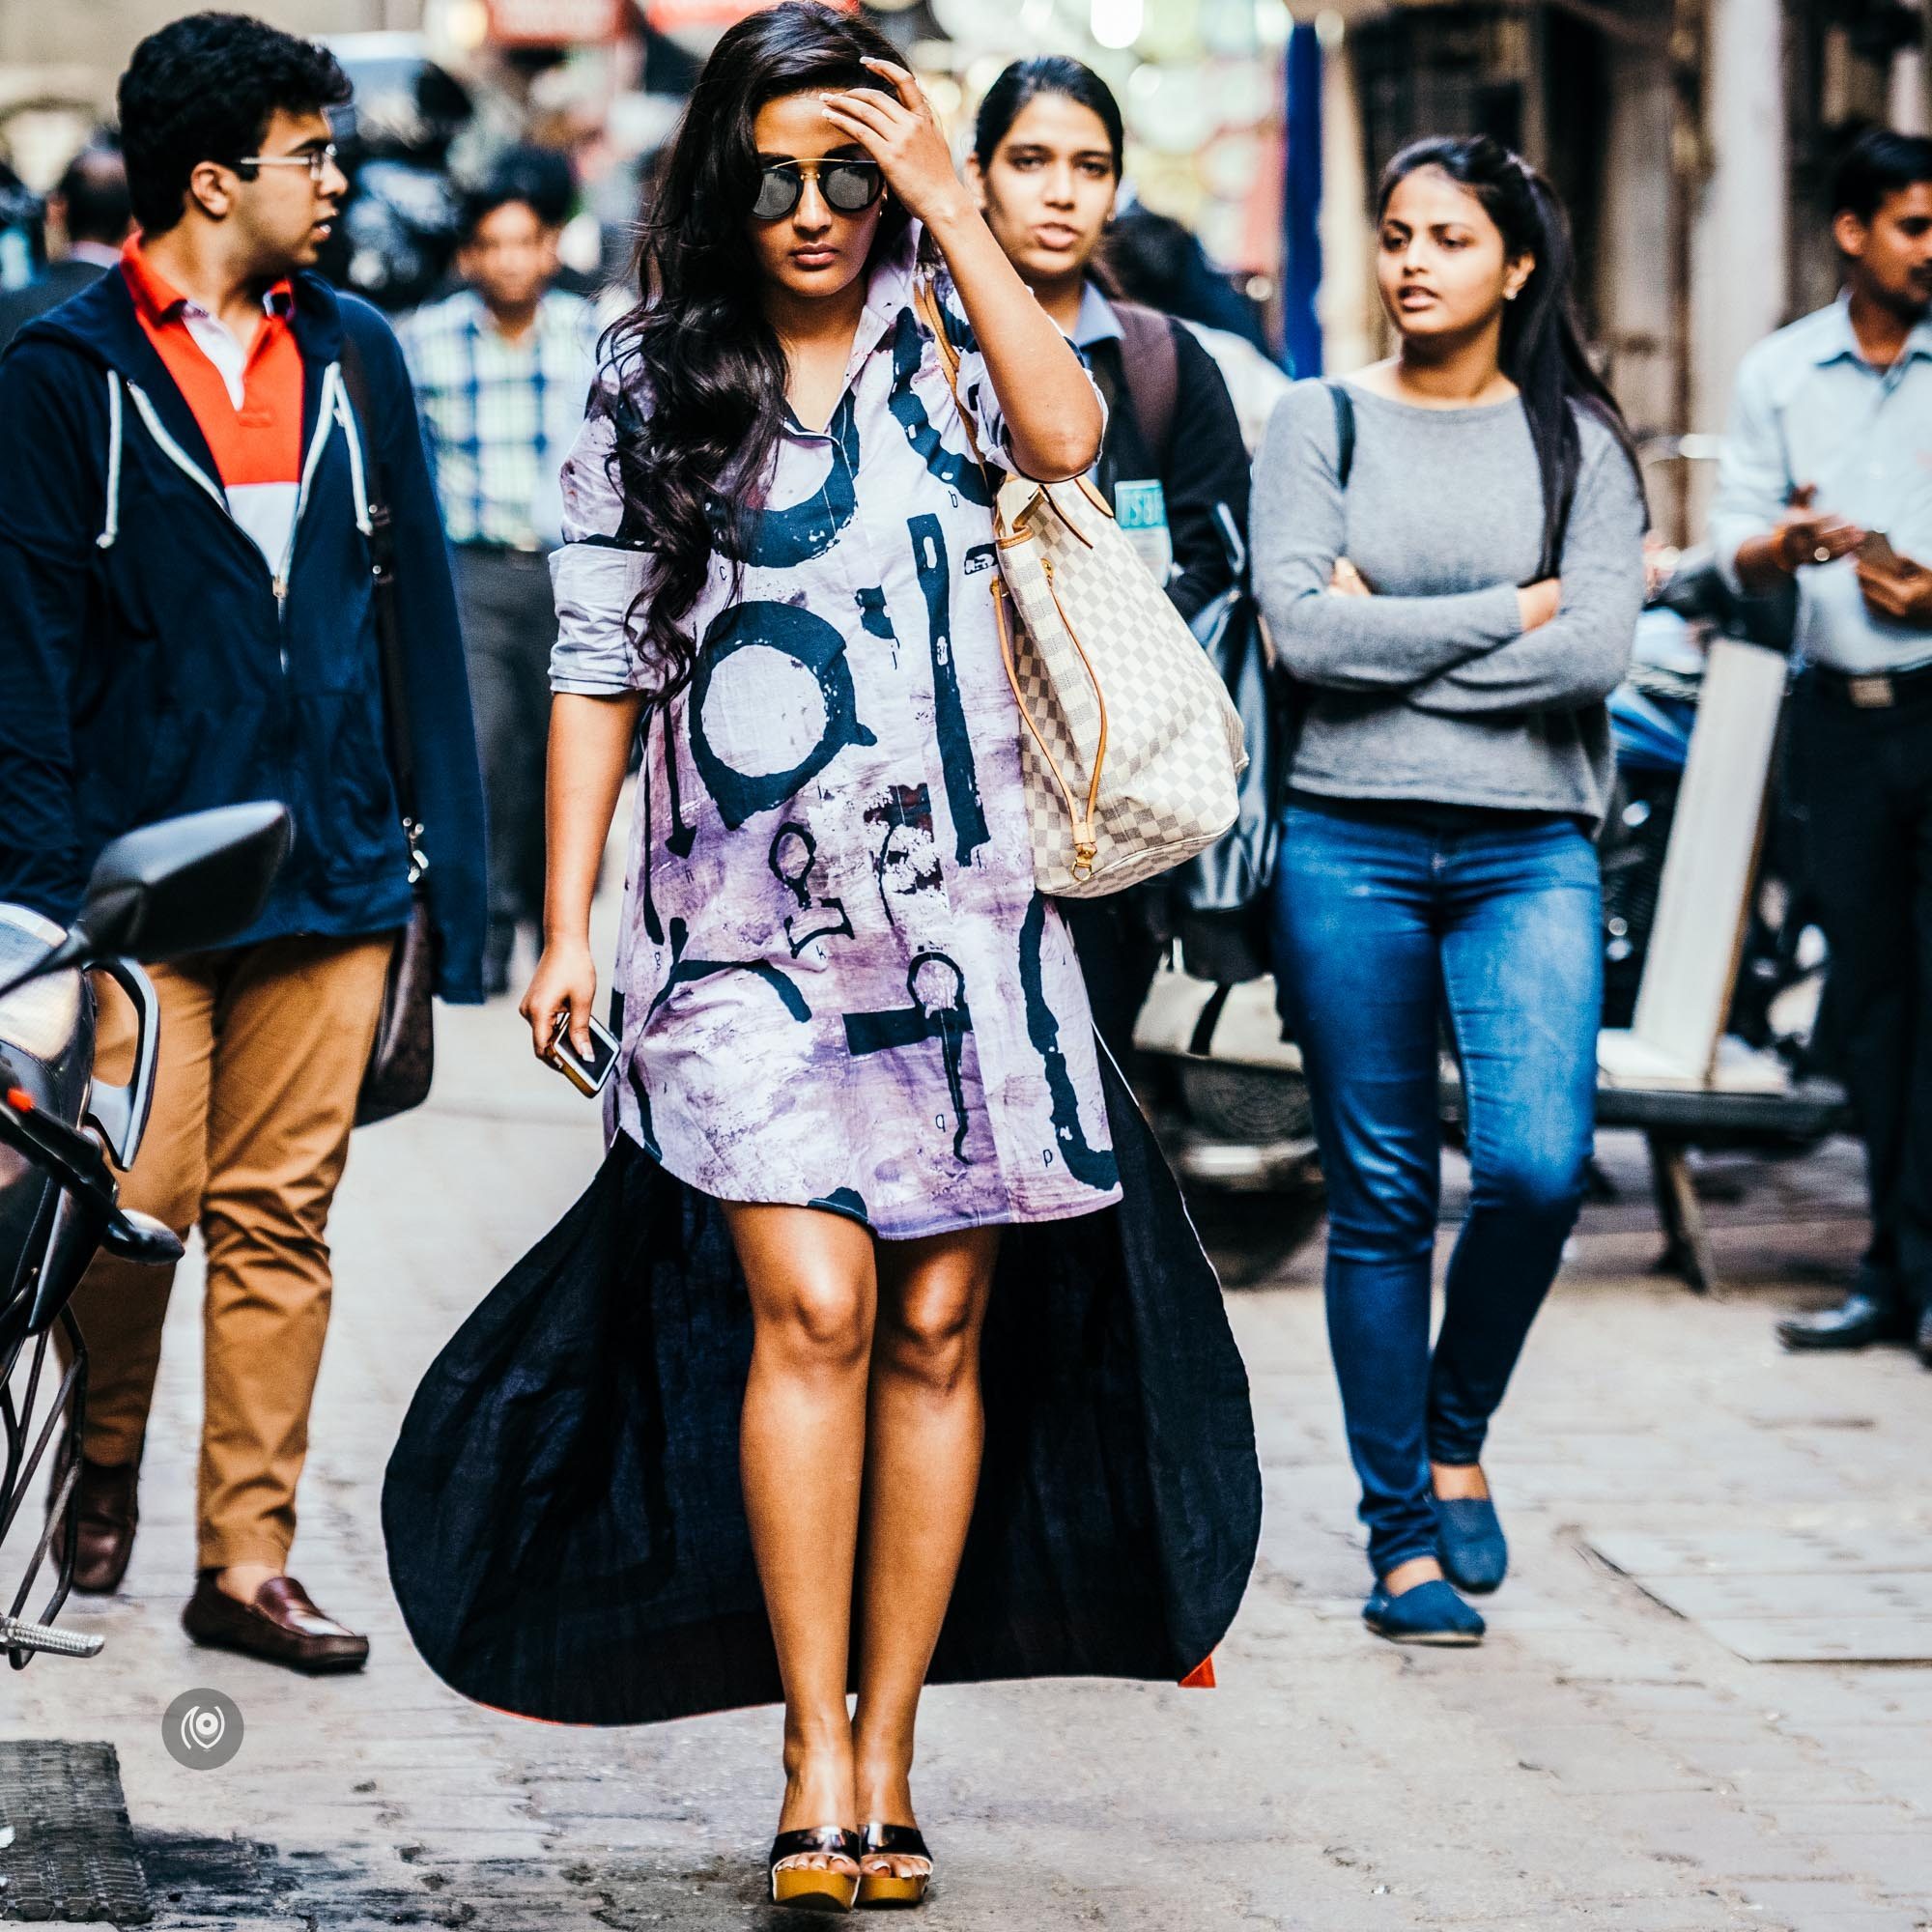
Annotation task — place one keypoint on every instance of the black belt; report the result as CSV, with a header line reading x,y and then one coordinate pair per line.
x,y
1875,689
490,548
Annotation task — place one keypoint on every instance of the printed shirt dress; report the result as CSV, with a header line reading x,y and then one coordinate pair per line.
x,y
836,985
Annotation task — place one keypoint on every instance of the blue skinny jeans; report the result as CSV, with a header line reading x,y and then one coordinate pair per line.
x,y
1389,920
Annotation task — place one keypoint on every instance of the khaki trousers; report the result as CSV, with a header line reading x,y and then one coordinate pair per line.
x,y
263,1050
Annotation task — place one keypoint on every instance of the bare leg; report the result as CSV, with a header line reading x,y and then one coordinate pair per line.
x,y
802,1449
1457,1482
1406,1575
922,1474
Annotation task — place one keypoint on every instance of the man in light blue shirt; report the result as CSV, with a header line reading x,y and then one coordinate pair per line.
x,y
1826,484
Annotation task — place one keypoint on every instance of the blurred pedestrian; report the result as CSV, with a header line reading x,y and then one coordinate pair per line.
x,y
1045,169
545,178
186,621
1192,287
1449,548
91,207
501,370
860,1119
1827,482
1150,256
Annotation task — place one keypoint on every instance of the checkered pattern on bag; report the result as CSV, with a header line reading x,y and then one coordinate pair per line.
x,y
1175,750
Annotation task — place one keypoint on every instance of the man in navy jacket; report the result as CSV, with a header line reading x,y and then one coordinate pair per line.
x,y
186,621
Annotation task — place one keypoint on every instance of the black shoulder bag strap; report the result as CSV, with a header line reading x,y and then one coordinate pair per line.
x,y
397,739
1345,431
1151,365
402,1060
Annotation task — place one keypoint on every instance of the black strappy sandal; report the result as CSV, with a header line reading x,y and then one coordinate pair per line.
x,y
813,1886
896,1841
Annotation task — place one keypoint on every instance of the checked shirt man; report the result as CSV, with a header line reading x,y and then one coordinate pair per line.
x,y
501,371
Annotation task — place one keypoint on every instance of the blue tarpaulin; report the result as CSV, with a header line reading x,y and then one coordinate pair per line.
x,y
1302,213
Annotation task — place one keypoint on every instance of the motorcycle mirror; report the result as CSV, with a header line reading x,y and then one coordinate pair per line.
x,y
182,886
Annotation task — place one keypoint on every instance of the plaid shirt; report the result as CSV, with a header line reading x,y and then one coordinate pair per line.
x,y
500,416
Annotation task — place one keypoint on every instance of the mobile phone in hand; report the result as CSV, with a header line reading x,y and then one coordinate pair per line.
x,y
589,1076
1877,551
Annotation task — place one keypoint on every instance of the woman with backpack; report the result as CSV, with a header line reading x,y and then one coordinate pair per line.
x,y
1048,152
1448,548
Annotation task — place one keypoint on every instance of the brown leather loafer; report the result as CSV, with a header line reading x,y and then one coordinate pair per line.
x,y
281,1625
105,1536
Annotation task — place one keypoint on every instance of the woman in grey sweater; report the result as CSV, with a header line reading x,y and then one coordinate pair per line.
x,y
1449,552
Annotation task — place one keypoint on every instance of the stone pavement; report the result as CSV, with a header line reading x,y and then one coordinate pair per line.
x,y
1601,1762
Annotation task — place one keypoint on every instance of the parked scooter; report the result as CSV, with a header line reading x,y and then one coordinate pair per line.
x,y
180,887
1782,962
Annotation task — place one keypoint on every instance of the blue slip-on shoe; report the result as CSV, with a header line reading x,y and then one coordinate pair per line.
x,y
1430,1613
1469,1540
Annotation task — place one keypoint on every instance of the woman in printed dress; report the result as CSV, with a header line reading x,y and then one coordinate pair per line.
x,y
858,1076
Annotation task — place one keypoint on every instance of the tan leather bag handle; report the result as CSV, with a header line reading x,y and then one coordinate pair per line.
x,y
927,299
1085,840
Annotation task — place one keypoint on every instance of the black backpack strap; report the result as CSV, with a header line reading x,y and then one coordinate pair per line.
x,y
1345,431
383,567
1151,365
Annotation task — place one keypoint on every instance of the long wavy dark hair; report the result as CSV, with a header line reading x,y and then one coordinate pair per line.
x,y
1542,351
695,377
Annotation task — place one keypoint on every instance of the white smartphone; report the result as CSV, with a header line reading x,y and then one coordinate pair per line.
x,y
589,1077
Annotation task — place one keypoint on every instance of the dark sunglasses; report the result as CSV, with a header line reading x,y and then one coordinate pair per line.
x,y
849,187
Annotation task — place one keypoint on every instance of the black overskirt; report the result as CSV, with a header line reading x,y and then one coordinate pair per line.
x,y
566,1531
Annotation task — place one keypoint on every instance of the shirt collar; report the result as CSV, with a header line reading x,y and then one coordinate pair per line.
x,y
1838,341
890,285
1097,321
557,311
159,301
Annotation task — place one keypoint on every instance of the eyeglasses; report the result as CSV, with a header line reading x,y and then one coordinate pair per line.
x,y
849,187
317,162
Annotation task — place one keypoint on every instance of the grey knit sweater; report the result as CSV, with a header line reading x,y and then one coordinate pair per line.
x,y
1429,690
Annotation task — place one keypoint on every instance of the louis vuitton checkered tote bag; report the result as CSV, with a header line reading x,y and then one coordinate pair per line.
x,y
1129,745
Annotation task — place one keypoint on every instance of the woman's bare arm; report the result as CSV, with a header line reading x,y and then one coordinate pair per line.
x,y
590,749
1052,413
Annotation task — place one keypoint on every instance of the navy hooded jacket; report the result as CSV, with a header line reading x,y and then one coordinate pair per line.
x,y
148,668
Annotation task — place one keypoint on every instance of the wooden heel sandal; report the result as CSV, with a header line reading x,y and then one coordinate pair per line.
x,y
814,1888
899,1842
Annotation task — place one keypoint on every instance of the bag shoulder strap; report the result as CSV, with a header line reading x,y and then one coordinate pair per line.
x,y
926,298
1345,431
1152,364
383,567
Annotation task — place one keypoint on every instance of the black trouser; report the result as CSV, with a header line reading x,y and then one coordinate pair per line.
x,y
1119,953
1865,776
509,623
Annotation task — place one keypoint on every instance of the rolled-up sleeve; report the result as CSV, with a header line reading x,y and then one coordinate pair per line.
x,y
1753,482
596,578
